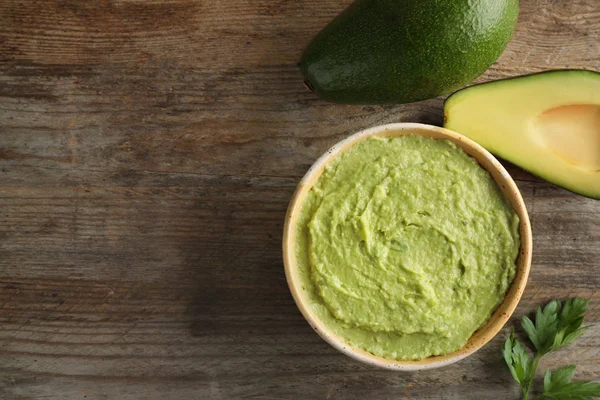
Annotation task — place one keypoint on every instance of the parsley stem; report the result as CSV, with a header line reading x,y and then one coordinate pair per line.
x,y
536,362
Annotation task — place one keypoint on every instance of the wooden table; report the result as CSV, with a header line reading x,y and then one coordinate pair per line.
x,y
148,150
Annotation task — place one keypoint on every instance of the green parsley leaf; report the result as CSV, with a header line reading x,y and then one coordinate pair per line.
x,y
556,325
558,386
542,333
520,364
572,310
561,377
569,322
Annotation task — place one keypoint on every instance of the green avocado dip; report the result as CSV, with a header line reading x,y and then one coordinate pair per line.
x,y
406,246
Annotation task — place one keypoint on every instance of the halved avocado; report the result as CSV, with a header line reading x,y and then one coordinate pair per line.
x,y
547,123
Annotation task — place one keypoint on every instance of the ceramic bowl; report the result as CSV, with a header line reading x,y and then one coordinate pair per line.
x,y
500,315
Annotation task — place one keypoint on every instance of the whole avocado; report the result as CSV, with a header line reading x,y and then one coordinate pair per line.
x,y
401,51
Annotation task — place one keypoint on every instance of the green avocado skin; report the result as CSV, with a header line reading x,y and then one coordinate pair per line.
x,y
401,51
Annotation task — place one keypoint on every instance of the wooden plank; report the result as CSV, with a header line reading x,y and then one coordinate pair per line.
x,y
148,150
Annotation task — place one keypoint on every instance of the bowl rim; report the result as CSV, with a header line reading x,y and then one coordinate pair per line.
x,y
498,318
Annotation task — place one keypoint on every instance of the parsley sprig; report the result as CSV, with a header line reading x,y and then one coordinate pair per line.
x,y
556,325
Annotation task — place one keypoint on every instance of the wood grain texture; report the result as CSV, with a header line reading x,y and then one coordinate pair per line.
x,y
148,150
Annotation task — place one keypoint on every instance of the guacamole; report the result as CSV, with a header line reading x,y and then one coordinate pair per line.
x,y
406,246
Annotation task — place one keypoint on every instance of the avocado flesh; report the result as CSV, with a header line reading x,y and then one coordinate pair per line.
x,y
547,123
401,51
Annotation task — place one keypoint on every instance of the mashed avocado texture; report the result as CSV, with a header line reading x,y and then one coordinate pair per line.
x,y
406,246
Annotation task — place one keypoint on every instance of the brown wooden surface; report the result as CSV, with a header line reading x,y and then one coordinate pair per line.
x,y
148,150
